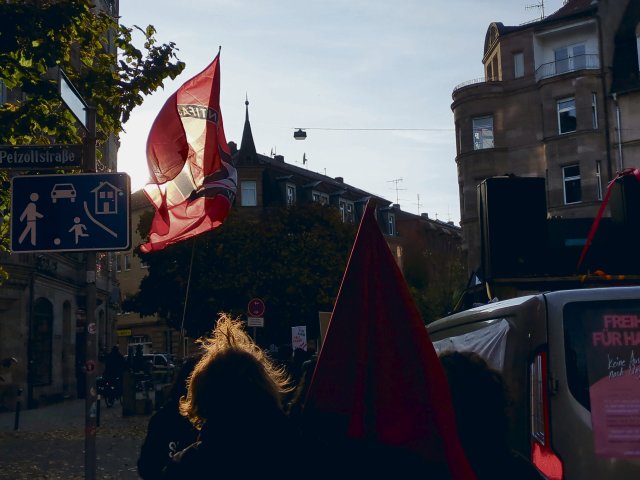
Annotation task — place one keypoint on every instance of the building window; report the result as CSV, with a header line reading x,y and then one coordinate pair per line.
x,y
391,224
346,211
594,111
518,65
321,198
483,132
118,263
598,180
41,342
143,264
570,58
571,179
350,216
291,194
248,197
127,261
638,44
566,115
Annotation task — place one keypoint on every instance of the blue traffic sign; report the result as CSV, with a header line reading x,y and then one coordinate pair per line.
x,y
63,213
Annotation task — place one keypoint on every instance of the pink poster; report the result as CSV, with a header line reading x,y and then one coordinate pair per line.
x,y
613,357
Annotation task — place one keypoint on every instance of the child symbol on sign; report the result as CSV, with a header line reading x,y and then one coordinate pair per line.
x,y
78,229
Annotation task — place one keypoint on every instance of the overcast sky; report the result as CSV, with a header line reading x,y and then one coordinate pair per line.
x,y
337,64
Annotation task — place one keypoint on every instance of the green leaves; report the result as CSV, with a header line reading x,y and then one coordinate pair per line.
x,y
38,35
293,258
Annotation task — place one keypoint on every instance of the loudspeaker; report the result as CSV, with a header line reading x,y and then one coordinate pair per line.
x,y
625,207
513,228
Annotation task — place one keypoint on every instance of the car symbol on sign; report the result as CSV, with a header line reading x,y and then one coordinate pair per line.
x,y
63,190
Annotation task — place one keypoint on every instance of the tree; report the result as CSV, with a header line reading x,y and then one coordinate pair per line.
x,y
39,35
293,258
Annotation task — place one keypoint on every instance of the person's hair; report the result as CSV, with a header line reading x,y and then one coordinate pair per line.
x,y
179,386
480,400
233,375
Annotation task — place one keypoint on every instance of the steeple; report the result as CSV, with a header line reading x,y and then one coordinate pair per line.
x,y
247,146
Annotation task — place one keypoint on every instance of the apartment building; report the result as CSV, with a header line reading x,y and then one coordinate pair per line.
x,y
559,100
267,182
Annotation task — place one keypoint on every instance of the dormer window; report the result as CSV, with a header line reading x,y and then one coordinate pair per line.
x,y
391,224
248,194
346,211
321,198
291,194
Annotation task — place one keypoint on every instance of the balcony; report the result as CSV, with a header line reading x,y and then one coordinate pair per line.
x,y
475,81
570,64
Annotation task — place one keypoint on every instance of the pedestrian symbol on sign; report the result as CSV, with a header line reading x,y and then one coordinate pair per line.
x,y
31,215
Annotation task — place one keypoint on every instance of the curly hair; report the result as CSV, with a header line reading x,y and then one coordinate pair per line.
x,y
233,375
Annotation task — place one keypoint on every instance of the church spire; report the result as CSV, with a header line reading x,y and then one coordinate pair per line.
x,y
247,146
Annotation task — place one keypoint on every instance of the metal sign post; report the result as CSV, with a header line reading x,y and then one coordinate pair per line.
x,y
91,399
256,309
87,117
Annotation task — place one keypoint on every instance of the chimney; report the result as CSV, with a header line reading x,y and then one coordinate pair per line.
x,y
233,147
396,206
425,215
339,179
279,158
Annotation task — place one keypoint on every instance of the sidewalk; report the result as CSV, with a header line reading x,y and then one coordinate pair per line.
x,y
49,443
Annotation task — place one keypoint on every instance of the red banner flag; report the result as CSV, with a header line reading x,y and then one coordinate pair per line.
x,y
378,378
192,181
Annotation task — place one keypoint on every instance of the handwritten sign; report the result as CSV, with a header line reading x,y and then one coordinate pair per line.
x,y
299,337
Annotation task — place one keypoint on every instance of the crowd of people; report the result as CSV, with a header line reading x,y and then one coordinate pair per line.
x,y
234,411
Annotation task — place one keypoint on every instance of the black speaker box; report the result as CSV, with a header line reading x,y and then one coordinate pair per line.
x,y
625,208
513,228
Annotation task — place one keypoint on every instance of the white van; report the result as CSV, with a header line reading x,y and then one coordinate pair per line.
x,y
571,359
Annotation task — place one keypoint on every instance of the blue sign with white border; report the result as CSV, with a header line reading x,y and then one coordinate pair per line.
x,y
67,213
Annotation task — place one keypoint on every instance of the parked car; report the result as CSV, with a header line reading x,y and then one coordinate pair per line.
x,y
161,362
571,360
158,362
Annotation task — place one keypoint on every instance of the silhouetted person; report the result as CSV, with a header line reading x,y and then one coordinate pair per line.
x,y
168,431
480,401
114,367
234,398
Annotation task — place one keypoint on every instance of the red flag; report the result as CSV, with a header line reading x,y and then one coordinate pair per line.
x,y
378,377
192,181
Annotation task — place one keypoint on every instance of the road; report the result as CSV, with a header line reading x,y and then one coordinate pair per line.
x,y
49,443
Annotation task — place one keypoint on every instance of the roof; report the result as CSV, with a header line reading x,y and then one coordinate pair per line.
x,y
247,156
572,7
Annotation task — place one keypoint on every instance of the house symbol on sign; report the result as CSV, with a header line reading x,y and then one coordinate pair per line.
x,y
105,198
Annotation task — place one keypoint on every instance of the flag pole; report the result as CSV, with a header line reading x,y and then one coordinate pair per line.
x,y
186,298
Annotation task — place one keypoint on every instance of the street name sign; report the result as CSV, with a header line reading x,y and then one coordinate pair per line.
x,y
36,157
67,213
72,99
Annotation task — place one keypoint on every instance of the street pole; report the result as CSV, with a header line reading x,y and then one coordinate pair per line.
x,y
90,408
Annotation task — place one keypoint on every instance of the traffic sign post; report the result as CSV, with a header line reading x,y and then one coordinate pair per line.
x,y
255,309
63,213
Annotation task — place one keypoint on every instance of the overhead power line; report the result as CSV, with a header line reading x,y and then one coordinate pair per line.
x,y
379,129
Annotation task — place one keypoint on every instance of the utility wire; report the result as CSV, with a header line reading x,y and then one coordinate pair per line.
x,y
380,129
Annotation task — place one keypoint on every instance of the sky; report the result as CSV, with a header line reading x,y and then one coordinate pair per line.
x,y
370,80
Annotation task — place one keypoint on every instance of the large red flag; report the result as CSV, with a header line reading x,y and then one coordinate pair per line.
x,y
192,181
378,378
